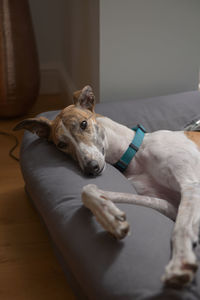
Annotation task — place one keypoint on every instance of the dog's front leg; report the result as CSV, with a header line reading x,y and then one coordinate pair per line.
x,y
101,203
107,214
181,269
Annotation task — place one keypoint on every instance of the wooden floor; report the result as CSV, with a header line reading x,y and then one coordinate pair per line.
x,y
28,267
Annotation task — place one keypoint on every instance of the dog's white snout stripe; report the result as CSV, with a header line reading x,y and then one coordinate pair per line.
x,y
90,153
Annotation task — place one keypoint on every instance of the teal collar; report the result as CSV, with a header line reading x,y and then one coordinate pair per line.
x,y
134,146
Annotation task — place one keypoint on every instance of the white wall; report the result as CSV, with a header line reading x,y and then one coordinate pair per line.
x,y
48,20
148,47
67,36
125,49
81,59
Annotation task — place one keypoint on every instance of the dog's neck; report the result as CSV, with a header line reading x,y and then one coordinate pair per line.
x,y
117,138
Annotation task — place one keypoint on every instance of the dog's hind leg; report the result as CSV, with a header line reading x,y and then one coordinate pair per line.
x,y
101,203
182,267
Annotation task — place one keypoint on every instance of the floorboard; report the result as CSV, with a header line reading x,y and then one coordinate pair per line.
x,y
28,267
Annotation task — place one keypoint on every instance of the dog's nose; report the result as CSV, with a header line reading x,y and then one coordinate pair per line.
x,y
92,168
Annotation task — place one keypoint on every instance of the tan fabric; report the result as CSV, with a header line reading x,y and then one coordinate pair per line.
x,y
19,71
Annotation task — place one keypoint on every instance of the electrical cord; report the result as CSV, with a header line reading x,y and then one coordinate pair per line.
x,y
15,145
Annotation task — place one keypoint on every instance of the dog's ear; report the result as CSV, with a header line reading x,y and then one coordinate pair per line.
x,y
85,98
41,126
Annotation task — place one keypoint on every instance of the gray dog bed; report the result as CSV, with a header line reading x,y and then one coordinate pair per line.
x,y
98,266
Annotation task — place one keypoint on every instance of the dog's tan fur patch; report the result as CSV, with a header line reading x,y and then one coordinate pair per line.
x,y
70,118
194,136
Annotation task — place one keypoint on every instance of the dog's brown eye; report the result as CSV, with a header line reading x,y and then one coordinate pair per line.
x,y
83,125
62,145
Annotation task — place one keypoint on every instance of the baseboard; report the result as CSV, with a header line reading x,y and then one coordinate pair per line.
x,y
56,80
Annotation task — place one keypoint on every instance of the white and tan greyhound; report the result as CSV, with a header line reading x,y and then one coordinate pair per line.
x,y
165,173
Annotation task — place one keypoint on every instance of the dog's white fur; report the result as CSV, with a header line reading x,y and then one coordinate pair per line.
x,y
167,166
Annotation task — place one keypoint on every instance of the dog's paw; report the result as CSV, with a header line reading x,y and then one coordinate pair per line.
x,y
178,275
107,214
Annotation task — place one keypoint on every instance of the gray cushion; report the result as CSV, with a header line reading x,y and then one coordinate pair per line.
x,y
103,267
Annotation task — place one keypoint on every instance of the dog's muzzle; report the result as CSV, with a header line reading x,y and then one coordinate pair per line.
x,y
92,168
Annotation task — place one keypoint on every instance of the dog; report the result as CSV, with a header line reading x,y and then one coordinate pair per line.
x,y
165,172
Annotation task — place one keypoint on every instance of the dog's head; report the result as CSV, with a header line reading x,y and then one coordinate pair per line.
x,y
74,131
